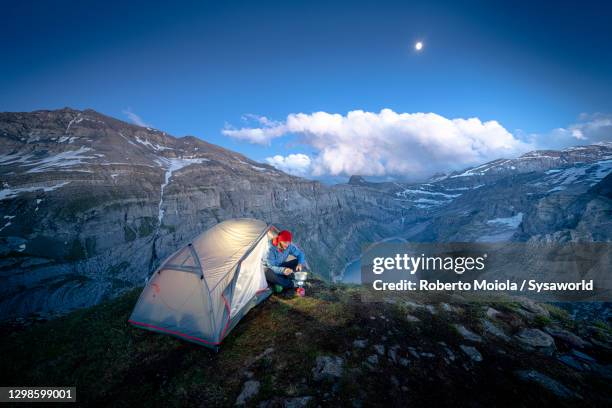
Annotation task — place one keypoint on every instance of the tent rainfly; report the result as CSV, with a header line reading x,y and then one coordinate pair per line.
x,y
200,292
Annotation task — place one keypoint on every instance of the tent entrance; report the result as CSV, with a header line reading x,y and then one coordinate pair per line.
x,y
251,277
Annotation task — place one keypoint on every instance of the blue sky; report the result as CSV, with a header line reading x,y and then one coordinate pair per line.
x,y
197,68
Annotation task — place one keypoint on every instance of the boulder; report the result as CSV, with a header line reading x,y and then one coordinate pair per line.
x,y
249,390
535,339
328,368
297,402
492,313
467,334
360,343
567,337
546,382
533,308
380,349
471,352
490,328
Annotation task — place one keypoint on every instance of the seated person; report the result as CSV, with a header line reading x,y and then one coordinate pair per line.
x,y
279,271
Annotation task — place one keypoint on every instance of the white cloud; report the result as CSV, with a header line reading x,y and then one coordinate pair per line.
x,y
589,129
260,135
134,118
387,143
297,164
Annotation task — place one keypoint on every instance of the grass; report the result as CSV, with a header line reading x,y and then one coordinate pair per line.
x,y
113,363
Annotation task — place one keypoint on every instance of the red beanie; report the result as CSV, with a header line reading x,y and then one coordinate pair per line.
x,y
284,235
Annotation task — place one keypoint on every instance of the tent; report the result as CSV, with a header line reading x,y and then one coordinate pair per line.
x,y
200,292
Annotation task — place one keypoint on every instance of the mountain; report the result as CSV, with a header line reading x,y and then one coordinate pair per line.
x,y
556,196
90,205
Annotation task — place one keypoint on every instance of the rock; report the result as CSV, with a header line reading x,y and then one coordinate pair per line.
x,y
471,352
446,307
249,390
431,309
571,362
582,356
393,353
492,313
360,343
535,339
449,354
534,308
328,368
413,305
567,337
297,402
510,319
412,319
373,359
467,334
548,383
380,349
265,353
490,328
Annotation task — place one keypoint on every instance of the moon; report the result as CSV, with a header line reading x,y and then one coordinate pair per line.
x,y
418,46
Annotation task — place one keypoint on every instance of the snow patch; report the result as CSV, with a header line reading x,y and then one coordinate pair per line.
x,y
68,158
77,119
172,165
13,192
511,222
425,192
156,147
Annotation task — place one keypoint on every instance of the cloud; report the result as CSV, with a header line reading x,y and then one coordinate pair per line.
x,y
260,135
589,129
386,142
134,118
297,164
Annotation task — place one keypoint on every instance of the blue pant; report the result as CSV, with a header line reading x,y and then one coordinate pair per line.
x,y
286,281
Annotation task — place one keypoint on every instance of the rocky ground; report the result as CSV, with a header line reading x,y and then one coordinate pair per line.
x,y
330,348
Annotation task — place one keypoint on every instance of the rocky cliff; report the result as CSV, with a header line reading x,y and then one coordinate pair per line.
x,y
90,205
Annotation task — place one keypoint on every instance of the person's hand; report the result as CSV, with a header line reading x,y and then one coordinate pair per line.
x,y
298,268
287,271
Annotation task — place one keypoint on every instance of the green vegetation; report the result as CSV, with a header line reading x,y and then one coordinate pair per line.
x,y
147,226
277,344
128,233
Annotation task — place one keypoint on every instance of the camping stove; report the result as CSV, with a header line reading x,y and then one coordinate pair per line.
x,y
300,278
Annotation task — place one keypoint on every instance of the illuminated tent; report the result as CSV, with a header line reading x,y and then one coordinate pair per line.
x,y
201,291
